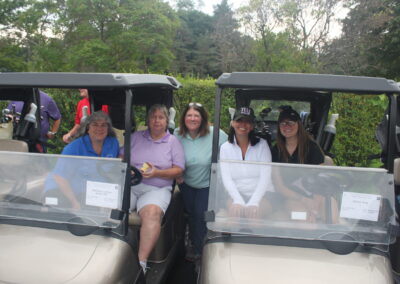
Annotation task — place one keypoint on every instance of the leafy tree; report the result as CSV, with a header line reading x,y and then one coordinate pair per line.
x,y
391,40
364,46
232,48
11,56
309,21
193,45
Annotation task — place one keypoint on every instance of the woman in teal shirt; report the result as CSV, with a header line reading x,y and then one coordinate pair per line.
x,y
196,137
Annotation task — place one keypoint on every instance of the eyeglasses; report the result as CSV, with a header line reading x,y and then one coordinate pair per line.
x,y
287,123
195,104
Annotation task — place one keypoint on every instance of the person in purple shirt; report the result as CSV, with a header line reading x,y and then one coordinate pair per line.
x,y
48,110
163,157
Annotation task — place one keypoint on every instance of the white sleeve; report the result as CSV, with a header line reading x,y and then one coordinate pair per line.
x,y
226,174
264,181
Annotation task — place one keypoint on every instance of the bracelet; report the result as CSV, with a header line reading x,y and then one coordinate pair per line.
x,y
51,132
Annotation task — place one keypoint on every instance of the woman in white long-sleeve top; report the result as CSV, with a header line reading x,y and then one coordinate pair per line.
x,y
246,183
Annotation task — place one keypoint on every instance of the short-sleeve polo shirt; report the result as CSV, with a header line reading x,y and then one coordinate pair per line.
x,y
162,153
198,157
83,147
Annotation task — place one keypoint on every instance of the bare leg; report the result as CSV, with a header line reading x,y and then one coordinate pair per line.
x,y
150,229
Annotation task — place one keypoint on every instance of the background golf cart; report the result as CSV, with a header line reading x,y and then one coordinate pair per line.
x,y
351,249
81,246
28,130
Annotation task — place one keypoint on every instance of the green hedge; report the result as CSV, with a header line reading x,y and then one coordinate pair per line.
x,y
359,115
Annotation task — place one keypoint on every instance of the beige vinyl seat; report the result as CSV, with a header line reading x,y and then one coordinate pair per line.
x,y
13,145
328,161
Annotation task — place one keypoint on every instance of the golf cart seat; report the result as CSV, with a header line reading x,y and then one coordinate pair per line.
x,y
134,219
328,161
13,145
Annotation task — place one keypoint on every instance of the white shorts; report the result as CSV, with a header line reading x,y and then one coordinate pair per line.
x,y
143,194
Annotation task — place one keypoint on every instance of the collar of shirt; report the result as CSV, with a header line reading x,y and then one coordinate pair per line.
x,y
236,144
164,139
187,136
88,143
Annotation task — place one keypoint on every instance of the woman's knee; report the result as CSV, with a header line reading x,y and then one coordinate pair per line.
x,y
151,212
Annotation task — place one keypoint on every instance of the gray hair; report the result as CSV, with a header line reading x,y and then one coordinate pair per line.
x,y
156,107
98,115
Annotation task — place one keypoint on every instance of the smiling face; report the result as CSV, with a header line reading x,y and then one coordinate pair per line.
x,y
98,130
157,122
193,120
242,127
288,128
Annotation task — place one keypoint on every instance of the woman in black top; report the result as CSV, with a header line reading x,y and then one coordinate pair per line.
x,y
294,145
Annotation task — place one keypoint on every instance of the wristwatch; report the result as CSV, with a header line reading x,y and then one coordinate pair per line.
x,y
51,132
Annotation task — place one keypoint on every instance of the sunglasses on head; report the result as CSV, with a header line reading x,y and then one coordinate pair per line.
x,y
195,104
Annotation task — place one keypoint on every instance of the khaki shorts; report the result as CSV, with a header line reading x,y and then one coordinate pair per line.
x,y
143,194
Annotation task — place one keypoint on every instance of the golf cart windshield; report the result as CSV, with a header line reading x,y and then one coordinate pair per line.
x,y
302,201
61,189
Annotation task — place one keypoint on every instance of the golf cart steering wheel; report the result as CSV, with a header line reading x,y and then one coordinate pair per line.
x,y
136,176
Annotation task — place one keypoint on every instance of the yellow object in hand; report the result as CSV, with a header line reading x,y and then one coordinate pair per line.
x,y
145,167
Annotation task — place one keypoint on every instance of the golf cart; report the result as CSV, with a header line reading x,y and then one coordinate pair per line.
x,y
42,238
344,231
24,126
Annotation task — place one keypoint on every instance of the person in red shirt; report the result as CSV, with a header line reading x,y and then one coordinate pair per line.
x,y
84,102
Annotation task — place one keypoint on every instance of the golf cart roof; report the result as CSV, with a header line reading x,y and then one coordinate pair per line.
x,y
86,80
307,82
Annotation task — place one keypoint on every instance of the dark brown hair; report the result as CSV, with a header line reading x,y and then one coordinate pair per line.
x,y
252,136
204,128
302,143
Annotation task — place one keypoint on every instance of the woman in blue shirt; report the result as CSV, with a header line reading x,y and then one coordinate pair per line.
x,y
97,139
196,137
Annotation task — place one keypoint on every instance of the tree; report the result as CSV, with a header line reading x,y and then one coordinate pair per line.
x,y
309,21
118,35
391,40
363,49
302,24
232,48
193,45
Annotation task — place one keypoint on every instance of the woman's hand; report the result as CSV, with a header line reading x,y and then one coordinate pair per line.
x,y
251,211
180,180
150,172
67,138
236,210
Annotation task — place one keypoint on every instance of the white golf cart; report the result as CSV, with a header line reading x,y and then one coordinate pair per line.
x,y
353,222
42,238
